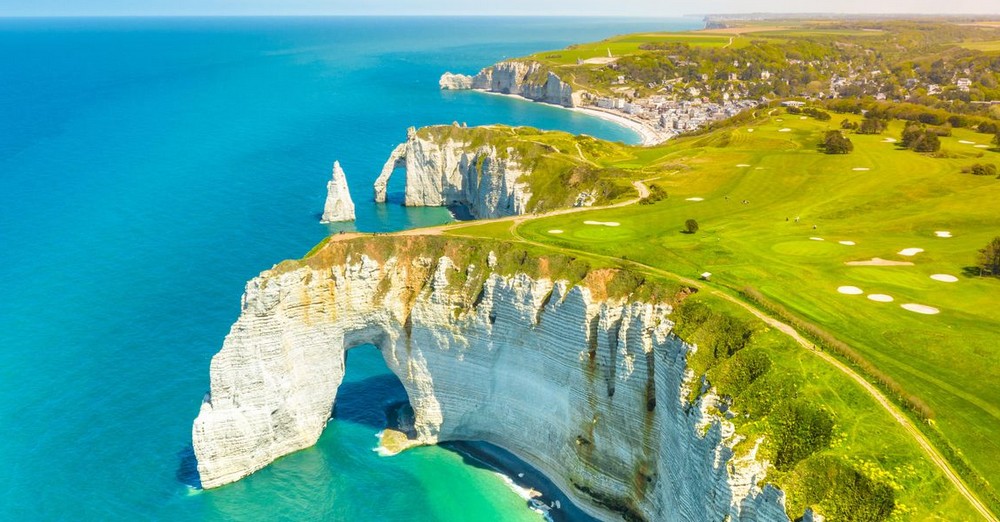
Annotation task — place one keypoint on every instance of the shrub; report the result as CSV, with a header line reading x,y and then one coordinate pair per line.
x,y
987,169
740,371
988,127
656,193
798,429
842,492
848,125
690,226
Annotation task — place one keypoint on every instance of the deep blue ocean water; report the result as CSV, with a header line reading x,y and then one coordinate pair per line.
x,y
148,168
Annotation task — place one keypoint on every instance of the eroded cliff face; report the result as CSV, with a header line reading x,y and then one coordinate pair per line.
x,y
528,79
448,172
589,390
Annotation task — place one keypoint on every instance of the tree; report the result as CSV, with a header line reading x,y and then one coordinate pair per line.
x,y
920,139
989,257
690,226
848,125
871,125
836,143
996,139
927,142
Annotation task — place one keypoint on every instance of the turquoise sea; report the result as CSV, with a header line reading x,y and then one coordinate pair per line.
x,y
148,168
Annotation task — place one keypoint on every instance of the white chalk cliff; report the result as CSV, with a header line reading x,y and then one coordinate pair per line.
x,y
527,79
442,172
339,206
590,391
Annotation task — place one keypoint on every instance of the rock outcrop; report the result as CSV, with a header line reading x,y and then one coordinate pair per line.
x,y
444,172
591,391
528,79
339,206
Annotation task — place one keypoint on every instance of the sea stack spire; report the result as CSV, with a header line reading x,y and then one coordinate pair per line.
x,y
339,206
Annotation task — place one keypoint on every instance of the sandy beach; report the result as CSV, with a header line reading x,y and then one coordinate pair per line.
x,y
650,136
647,134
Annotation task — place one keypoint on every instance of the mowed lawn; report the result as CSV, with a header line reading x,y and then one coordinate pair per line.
x,y
754,185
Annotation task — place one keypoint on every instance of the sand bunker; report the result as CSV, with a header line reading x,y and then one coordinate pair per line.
x,y
803,118
749,130
910,251
786,129
889,140
981,146
555,231
850,290
742,165
603,223
920,309
878,261
942,233
859,169
944,278
881,298
817,239
695,199
848,243
966,142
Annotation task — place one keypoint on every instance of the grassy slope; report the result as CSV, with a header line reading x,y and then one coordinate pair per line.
x,y
949,360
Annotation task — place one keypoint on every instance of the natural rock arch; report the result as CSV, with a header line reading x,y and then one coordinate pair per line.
x,y
590,392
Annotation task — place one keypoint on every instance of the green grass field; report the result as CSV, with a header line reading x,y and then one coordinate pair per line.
x,y
755,180
630,44
990,47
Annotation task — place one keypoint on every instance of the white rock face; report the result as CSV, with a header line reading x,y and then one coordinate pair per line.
x,y
451,172
526,79
590,392
455,82
339,206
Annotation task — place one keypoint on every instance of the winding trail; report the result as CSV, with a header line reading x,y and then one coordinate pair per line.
x,y
642,190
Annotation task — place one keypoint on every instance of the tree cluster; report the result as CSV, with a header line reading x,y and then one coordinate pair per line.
x,y
920,139
810,111
836,143
989,258
873,125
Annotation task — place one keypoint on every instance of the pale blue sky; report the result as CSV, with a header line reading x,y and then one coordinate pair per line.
x,y
664,8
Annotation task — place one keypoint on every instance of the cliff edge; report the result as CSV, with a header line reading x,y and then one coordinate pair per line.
x,y
530,79
590,388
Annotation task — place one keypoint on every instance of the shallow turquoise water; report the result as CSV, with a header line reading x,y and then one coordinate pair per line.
x,y
148,169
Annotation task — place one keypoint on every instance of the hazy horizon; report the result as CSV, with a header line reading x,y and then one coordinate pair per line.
x,y
621,8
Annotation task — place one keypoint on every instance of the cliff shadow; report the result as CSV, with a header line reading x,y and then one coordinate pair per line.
x,y
460,212
187,468
550,499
